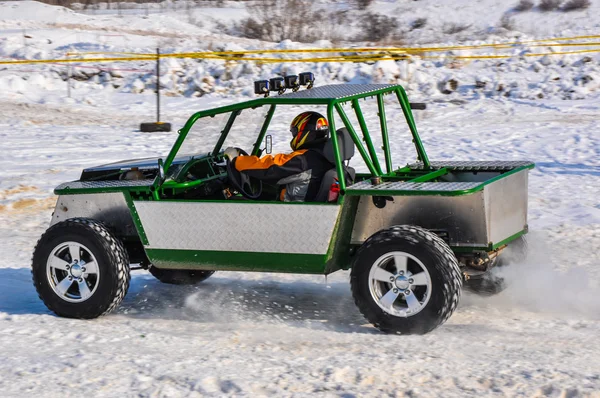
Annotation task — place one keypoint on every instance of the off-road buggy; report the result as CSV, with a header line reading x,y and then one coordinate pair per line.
x,y
410,235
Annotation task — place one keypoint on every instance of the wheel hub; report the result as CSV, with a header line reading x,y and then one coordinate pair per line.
x,y
76,271
402,282
68,269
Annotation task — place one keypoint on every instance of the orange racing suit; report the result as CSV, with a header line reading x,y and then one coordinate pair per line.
x,y
301,171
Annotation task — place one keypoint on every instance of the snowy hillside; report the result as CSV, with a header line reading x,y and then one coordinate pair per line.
x,y
244,334
33,30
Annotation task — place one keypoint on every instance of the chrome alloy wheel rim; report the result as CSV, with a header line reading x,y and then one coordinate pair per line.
x,y
400,284
72,272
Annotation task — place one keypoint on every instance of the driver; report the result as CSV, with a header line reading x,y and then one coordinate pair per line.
x,y
301,171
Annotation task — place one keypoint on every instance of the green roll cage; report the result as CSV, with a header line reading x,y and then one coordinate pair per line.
x,y
334,104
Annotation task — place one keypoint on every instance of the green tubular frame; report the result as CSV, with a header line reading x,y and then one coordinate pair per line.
x,y
430,176
225,131
366,136
357,141
336,151
405,104
384,134
263,130
369,156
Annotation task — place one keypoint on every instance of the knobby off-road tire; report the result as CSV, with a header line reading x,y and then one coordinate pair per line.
x,y
86,287
490,284
416,264
180,276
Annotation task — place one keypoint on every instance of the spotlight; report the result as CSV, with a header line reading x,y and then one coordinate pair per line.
x,y
307,79
276,84
261,87
292,82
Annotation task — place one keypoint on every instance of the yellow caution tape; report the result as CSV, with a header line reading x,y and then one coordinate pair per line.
x,y
355,54
529,43
110,52
378,57
71,60
408,50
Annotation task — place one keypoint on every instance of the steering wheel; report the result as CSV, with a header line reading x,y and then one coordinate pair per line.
x,y
249,187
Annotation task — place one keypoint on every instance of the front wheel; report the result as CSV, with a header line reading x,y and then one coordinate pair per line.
x,y
406,280
80,269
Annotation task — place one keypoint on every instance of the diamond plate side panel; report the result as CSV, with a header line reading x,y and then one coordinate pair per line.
x,y
414,186
486,165
335,91
247,227
104,184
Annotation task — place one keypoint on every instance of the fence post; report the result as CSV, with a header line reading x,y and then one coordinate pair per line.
x,y
69,72
158,125
158,85
69,81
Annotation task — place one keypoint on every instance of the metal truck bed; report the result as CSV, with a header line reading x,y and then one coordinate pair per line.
x,y
476,205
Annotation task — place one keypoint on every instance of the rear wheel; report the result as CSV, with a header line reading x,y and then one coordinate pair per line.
x,y
180,276
80,269
406,280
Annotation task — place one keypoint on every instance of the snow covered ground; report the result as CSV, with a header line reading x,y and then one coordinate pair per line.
x,y
262,334
286,335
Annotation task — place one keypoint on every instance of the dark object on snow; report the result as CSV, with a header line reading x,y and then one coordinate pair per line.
x,y
418,106
418,23
155,127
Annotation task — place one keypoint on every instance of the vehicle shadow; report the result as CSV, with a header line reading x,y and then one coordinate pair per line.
x,y
224,298
17,294
227,298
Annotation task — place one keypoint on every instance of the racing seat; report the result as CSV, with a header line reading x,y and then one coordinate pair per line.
x,y
346,151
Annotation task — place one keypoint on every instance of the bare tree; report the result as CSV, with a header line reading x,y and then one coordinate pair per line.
x,y
274,20
377,27
573,5
549,5
524,5
363,4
